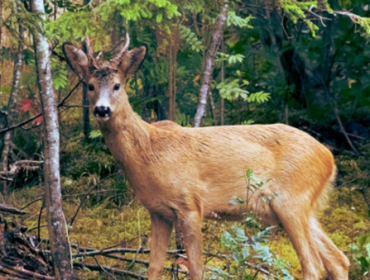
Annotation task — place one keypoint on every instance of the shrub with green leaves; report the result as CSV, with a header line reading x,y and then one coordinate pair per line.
x,y
250,255
361,256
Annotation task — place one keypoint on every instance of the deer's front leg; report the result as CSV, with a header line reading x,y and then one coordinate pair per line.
x,y
160,236
191,226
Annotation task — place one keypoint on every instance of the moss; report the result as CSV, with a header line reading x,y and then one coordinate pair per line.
x,y
102,223
280,244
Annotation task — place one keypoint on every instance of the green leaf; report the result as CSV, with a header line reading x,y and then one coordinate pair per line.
x,y
158,18
95,134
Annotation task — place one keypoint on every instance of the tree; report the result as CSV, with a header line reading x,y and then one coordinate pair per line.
x,y
85,101
12,103
52,188
209,61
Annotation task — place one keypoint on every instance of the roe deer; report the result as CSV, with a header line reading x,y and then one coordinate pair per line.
x,y
182,175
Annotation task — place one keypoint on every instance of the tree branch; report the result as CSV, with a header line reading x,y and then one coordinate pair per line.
x,y
10,209
78,265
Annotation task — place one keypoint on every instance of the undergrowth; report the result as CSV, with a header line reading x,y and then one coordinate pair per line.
x,y
110,216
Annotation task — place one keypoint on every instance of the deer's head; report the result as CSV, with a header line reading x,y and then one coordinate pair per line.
x,y
105,79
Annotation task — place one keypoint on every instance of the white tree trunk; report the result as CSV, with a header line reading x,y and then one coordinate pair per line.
x,y
210,56
58,235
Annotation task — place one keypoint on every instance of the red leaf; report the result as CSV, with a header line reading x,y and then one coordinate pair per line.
x,y
25,105
39,120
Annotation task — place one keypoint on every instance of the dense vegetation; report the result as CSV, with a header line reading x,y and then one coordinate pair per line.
x,y
302,63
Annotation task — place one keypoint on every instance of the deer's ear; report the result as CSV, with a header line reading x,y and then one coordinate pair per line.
x,y
76,59
132,60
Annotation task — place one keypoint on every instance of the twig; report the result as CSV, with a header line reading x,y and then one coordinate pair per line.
x,y
145,263
76,106
38,227
137,252
79,207
22,272
10,209
321,18
39,219
356,136
102,268
344,132
97,252
83,200
32,202
78,265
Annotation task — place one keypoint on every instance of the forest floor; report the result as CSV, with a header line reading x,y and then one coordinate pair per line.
x,y
105,225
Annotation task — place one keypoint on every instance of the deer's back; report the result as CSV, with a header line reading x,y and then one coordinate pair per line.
x,y
208,165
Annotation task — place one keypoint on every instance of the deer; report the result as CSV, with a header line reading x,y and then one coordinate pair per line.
x,y
183,175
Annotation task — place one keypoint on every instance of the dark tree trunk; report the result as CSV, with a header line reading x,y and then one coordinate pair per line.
x,y
85,109
222,111
1,36
85,101
12,103
208,68
57,227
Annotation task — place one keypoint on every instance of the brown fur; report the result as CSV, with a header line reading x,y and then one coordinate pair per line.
x,y
182,175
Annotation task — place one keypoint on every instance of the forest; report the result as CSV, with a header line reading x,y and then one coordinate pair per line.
x,y
69,208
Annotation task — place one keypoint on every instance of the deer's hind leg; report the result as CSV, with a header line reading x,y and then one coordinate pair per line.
x,y
295,220
335,262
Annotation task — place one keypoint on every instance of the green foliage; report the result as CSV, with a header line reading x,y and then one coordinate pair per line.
x,y
97,21
59,74
95,134
231,89
364,22
87,159
244,250
296,10
361,255
235,20
191,39
229,58
17,13
259,97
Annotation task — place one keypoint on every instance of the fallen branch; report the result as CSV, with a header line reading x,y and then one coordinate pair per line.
x,y
10,209
121,258
24,273
94,252
145,263
78,265
9,278
109,253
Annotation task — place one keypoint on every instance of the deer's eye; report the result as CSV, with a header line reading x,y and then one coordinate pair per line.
x,y
116,86
91,87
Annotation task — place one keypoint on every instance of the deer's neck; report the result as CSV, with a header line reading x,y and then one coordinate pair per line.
x,y
128,138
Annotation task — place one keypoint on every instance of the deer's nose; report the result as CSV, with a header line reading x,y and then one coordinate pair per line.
x,y
102,112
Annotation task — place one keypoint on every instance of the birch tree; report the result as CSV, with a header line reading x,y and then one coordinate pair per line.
x,y
209,62
59,242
